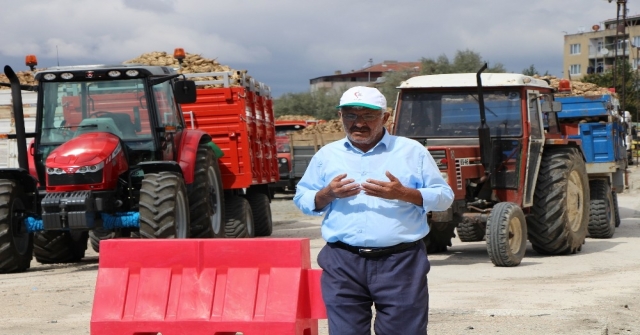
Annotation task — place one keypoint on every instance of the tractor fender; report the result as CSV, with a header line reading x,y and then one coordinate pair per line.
x,y
191,139
160,166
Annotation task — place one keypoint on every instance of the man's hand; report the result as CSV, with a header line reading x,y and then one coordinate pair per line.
x,y
337,188
392,190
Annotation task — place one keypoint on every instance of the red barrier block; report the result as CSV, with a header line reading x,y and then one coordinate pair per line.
x,y
206,286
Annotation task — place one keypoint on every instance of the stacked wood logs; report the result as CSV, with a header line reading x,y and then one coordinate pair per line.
x,y
192,63
26,78
578,88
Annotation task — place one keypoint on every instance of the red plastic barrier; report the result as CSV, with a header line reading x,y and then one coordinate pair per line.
x,y
207,286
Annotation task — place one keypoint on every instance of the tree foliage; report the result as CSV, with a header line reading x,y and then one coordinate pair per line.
x,y
391,81
627,89
532,71
466,61
320,104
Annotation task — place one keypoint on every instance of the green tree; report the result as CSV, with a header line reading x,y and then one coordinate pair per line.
x,y
390,82
320,104
532,71
466,61
463,62
627,89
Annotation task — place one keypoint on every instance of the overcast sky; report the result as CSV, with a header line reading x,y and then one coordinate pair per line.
x,y
285,43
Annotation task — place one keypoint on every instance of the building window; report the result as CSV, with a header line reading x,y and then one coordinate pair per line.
x,y
574,69
636,41
574,49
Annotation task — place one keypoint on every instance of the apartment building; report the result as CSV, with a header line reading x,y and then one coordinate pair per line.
x,y
595,50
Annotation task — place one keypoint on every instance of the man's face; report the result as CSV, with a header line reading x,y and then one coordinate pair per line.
x,y
363,125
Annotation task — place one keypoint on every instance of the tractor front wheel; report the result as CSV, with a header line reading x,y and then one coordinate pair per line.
x,y
506,234
57,246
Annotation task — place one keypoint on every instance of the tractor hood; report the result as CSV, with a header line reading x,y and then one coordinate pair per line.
x,y
85,150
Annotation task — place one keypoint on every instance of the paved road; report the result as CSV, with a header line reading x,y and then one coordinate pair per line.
x,y
596,291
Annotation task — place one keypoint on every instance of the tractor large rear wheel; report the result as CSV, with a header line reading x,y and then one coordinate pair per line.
x,y
239,219
506,234
616,210
56,246
560,212
164,206
439,237
206,196
261,210
470,231
602,216
16,244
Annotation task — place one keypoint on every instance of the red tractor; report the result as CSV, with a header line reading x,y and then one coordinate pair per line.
x,y
285,165
110,156
516,172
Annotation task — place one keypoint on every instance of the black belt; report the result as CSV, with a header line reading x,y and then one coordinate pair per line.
x,y
374,252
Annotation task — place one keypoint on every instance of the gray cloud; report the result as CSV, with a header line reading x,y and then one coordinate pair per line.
x,y
157,6
285,43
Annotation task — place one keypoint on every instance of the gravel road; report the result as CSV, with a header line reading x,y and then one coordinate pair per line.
x,y
596,291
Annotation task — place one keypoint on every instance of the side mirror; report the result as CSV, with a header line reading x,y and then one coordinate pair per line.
x,y
184,91
551,106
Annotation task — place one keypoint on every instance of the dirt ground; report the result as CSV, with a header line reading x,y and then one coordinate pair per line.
x,y
596,291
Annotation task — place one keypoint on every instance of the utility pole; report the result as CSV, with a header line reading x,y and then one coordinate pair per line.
x,y
620,28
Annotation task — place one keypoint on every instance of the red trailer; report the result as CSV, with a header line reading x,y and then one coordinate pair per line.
x,y
238,115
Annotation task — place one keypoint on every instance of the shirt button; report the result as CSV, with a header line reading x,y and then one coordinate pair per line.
x,y
359,230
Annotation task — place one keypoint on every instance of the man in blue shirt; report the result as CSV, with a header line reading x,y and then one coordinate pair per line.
x,y
374,190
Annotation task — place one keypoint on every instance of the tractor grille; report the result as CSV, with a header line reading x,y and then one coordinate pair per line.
x,y
283,167
75,178
440,156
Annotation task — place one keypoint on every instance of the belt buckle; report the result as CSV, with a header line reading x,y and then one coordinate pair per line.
x,y
369,252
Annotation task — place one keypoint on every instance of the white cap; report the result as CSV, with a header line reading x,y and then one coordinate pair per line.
x,y
361,96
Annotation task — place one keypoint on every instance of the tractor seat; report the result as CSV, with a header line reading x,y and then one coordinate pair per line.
x,y
123,121
104,124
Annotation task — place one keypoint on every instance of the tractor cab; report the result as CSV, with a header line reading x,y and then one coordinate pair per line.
x,y
446,121
83,110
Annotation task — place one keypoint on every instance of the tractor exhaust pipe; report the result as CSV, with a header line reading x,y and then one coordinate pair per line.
x,y
18,115
484,132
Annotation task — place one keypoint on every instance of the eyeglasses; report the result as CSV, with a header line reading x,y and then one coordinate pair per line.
x,y
365,117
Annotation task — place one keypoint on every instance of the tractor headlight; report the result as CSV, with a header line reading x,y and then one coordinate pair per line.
x,y
82,169
283,160
90,168
51,170
444,175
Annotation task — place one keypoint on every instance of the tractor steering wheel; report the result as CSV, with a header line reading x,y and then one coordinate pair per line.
x,y
99,114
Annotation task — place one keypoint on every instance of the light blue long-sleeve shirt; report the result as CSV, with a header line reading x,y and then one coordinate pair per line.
x,y
369,221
